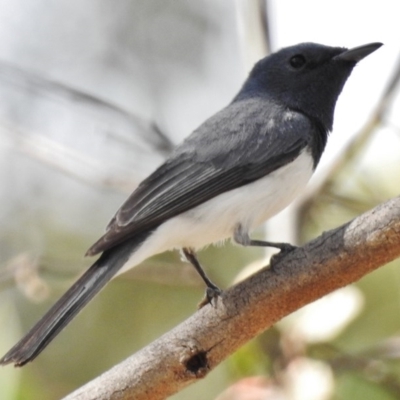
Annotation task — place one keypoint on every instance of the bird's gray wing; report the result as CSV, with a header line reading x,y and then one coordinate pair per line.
x,y
202,168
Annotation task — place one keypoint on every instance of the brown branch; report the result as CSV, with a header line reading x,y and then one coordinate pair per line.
x,y
192,349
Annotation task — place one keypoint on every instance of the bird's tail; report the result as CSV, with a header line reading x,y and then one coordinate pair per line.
x,y
68,306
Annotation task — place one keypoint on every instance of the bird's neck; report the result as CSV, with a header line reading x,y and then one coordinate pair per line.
x,y
319,139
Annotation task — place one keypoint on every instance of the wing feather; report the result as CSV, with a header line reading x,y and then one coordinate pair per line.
x,y
189,178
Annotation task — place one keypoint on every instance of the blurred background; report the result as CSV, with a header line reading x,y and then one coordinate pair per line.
x,y
93,96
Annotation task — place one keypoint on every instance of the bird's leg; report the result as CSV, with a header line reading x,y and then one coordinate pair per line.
x,y
212,291
242,237
283,247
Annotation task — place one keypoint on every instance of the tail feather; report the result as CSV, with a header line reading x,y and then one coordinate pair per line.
x,y
68,306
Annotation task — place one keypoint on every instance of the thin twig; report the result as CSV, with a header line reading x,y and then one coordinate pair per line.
x,y
253,31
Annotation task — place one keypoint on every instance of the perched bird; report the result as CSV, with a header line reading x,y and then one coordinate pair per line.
x,y
239,168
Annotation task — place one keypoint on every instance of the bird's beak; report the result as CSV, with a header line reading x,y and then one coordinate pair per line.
x,y
358,53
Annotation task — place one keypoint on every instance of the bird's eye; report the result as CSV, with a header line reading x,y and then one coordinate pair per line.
x,y
297,61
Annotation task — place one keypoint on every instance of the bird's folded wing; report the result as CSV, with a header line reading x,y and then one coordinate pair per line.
x,y
187,180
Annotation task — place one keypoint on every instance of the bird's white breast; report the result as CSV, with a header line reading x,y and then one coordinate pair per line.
x,y
216,219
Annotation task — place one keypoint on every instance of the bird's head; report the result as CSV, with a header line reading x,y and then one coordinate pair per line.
x,y
307,77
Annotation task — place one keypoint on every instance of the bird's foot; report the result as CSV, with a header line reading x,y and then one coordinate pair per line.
x,y
213,293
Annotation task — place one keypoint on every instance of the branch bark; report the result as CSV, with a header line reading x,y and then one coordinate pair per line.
x,y
192,349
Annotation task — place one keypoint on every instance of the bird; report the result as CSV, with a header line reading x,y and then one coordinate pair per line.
x,y
239,168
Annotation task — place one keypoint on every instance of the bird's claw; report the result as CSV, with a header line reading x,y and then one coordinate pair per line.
x,y
211,296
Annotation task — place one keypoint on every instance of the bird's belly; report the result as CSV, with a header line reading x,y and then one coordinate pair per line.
x,y
216,219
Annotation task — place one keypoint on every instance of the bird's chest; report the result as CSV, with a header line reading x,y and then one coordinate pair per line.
x,y
251,204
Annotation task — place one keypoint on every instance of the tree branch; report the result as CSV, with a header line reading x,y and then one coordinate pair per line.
x,y
188,352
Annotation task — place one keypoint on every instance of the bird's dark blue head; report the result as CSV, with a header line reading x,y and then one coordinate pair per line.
x,y
307,77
